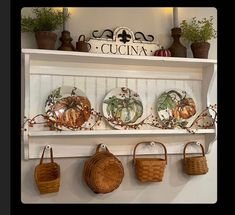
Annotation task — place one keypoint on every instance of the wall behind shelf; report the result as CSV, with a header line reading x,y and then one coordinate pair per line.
x,y
176,187
156,21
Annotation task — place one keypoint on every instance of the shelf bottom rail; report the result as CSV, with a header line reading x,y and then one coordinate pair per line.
x,y
83,146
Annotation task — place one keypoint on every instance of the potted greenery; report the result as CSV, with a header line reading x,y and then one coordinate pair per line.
x,y
199,32
45,21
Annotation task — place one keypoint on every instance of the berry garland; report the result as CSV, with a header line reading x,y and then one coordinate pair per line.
x,y
203,121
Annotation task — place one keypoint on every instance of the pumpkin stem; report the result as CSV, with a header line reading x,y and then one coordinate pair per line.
x,y
173,91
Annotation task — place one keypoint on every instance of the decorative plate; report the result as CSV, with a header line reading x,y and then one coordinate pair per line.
x,y
122,106
68,107
175,108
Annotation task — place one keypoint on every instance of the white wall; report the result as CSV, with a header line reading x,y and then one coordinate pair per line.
x,y
176,187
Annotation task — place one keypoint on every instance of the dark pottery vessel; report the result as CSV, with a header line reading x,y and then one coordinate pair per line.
x,y
177,49
66,42
82,45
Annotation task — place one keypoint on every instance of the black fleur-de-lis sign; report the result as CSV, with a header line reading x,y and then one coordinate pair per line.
x,y
124,37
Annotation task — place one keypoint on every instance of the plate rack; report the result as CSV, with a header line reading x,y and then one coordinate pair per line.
x,y
96,75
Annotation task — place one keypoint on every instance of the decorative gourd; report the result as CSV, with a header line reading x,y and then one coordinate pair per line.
x,y
185,109
72,111
163,52
127,110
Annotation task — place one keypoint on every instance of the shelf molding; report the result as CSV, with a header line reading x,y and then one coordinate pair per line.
x,y
40,54
131,57
117,132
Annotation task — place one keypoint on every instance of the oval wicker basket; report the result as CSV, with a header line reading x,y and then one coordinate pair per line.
x,y
47,175
103,172
196,165
149,169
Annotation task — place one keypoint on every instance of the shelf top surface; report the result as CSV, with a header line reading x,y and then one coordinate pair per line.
x,y
118,132
109,58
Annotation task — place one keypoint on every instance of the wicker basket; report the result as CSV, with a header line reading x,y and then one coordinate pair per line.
x,y
47,175
89,166
150,169
196,165
103,172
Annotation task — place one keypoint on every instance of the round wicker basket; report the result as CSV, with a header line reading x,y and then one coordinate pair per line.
x,y
103,172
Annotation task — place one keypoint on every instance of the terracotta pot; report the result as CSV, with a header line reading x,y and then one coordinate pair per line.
x,y
200,49
46,39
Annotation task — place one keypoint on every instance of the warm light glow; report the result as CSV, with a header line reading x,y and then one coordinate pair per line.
x,y
58,8
168,10
71,9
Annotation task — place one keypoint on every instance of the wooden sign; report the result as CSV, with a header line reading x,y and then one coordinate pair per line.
x,y
122,41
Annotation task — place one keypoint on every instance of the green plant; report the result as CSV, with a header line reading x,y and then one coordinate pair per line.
x,y
46,19
198,30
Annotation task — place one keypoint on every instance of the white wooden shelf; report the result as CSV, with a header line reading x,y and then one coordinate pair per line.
x,y
84,57
96,74
117,132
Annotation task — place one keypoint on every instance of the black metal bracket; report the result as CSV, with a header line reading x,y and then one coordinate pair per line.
x,y
105,31
138,38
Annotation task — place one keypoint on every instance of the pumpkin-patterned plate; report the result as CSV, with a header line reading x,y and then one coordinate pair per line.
x,y
68,107
176,108
122,106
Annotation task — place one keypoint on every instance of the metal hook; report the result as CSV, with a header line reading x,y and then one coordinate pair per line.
x,y
48,147
103,146
152,143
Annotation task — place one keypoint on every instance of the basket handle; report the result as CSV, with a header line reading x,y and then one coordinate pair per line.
x,y
203,152
51,152
147,143
81,38
101,145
